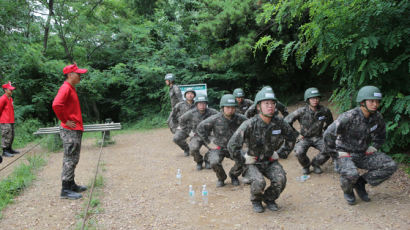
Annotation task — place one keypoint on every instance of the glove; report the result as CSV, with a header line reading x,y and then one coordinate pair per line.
x,y
249,160
370,150
343,154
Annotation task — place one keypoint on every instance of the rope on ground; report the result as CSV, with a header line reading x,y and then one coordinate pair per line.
x,y
21,155
92,186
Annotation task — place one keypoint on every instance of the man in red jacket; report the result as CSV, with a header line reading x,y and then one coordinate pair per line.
x,y
7,120
67,108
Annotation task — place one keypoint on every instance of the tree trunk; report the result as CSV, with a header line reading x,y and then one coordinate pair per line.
x,y
47,27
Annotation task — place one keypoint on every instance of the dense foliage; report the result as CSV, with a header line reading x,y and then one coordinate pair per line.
x,y
129,45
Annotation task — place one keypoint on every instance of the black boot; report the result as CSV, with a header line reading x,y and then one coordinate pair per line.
x,y
360,188
186,152
317,169
1,159
306,170
7,153
235,181
220,183
257,206
350,198
68,193
13,151
77,188
207,165
271,205
199,166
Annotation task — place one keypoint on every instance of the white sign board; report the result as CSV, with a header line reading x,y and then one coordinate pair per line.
x,y
199,89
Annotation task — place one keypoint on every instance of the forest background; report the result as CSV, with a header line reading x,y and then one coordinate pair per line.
x,y
129,45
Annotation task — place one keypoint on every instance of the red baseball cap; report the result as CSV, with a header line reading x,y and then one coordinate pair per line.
x,y
73,69
8,86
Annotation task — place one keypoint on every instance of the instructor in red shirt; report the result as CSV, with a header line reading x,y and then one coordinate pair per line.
x,y
7,120
67,108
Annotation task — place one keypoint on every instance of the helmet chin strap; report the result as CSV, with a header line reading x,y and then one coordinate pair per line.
x,y
368,110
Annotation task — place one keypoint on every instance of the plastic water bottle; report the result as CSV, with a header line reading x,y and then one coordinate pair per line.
x,y
204,195
302,178
191,195
179,177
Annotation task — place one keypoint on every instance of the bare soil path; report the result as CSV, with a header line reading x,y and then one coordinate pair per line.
x,y
140,192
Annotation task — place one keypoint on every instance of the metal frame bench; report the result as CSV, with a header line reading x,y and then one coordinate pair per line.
x,y
87,128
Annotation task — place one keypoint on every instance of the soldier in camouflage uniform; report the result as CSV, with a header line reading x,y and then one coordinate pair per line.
x,y
263,134
174,94
67,108
189,122
313,119
222,125
243,104
252,111
179,109
355,138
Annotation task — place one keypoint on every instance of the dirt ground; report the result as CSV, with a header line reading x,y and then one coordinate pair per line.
x,y
140,192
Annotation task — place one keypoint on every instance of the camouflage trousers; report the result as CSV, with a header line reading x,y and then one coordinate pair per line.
x,y
379,165
171,124
180,139
271,170
7,135
302,147
195,145
215,160
72,147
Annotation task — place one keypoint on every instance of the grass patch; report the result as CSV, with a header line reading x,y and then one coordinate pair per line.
x,y
95,204
22,176
404,159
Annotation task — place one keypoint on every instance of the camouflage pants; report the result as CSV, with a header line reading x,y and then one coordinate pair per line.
x,y
195,145
302,147
271,170
7,135
180,139
215,160
171,124
72,147
380,167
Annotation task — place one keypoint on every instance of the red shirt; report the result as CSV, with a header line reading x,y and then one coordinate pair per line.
x,y
67,106
6,109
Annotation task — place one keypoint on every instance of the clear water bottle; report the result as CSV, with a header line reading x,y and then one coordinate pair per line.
x,y
179,177
204,195
191,195
302,178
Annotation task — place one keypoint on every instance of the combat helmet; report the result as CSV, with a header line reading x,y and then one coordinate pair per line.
x,y
311,92
227,100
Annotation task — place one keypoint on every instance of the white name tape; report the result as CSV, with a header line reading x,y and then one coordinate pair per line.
x,y
276,132
377,95
373,128
231,100
321,118
314,91
201,98
271,95
239,94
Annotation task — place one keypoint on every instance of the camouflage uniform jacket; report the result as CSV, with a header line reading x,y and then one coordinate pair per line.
x,y
175,95
222,128
179,109
252,111
246,103
262,139
312,123
353,133
191,119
